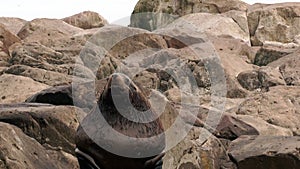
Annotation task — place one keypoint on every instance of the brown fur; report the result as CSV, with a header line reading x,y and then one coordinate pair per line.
x,y
107,160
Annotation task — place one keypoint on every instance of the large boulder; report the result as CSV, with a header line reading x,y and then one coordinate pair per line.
x,y
16,89
18,150
6,40
196,152
279,106
86,20
146,13
14,25
216,25
264,128
274,23
51,126
289,67
262,152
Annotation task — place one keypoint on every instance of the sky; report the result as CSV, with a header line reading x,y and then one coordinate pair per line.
x,y
112,10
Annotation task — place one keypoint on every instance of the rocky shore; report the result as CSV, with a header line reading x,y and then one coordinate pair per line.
x,y
257,46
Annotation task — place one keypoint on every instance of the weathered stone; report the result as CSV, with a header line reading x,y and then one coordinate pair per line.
x,y
231,128
279,106
40,75
82,95
49,125
195,152
14,25
6,40
16,89
86,20
289,67
274,23
267,54
142,17
262,152
264,128
263,78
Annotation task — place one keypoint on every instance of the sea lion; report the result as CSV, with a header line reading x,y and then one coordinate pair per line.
x,y
91,136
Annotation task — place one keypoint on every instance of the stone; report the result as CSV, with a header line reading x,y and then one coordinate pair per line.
x,y
18,150
7,39
213,24
46,30
264,128
231,128
196,152
267,54
53,126
279,106
14,25
16,89
86,20
262,152
289,68
274,23
262,78
146,14
78,94
43,76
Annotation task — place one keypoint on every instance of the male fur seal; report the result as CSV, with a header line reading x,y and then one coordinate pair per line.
x,y
91,136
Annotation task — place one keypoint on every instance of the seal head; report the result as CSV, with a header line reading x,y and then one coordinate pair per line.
x,y
123,113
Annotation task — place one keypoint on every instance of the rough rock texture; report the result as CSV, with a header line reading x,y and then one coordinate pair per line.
x,y
52,126
21,151
289,68
214,25
194,152
59,70
143,19
86,20
14,25
274,23
266,152
279,106
16,89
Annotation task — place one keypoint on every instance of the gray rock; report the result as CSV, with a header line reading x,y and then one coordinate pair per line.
x,y
266,152
274,24
16,89
86,20
20,151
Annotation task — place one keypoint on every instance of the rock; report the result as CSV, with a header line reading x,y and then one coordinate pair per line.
x,y
264,128
18,150
274,23
6,40
14,25
263,78
213,25
43,30
289,68
195,152
53,126
86,20
50,78
266,152
82,94
279,107
16,89
267,54
231,128
142,19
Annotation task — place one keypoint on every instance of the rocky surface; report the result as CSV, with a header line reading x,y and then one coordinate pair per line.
x,y
228,70
86,20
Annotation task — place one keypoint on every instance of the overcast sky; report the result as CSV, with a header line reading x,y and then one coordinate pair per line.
x,y
112,10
